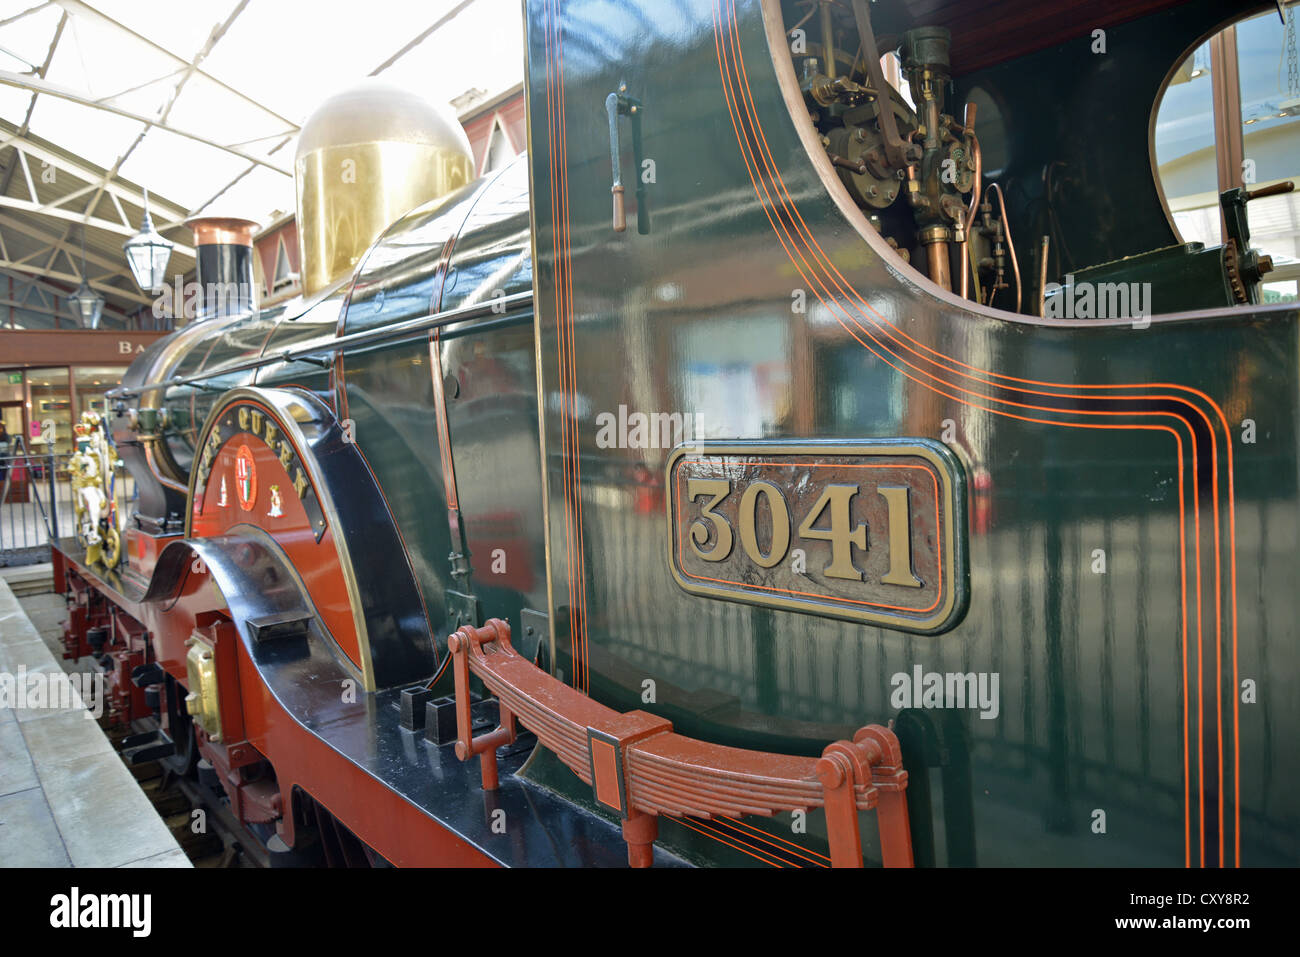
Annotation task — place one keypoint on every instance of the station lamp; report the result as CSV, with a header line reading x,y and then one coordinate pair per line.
x,y
88,305
147,253
85,302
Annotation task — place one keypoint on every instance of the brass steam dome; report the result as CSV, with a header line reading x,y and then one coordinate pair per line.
x,y
366,156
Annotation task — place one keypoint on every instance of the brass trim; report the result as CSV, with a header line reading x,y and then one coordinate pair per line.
x,y
287,414
203,702
954,597
222,231
342,215
537,354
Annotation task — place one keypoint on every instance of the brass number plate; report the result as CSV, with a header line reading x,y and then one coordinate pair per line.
x,y
871,531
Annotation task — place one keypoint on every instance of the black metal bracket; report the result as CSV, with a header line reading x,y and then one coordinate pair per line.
x,y
534,634
463,609
284,624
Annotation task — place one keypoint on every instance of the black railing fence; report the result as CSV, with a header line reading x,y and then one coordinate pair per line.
x,y
37,504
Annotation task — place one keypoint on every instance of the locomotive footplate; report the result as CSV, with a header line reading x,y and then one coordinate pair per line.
x,y
519,824
122,591
540,829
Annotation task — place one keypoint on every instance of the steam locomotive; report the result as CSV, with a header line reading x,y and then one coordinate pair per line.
x,y
784,514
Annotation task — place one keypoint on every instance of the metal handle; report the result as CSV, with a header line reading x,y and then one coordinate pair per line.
x,y
620,104
1277,189
614,105
620,217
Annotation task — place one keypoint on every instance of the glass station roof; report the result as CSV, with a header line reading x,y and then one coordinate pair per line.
x,y
202,99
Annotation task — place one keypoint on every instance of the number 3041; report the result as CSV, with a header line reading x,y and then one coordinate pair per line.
x,y
829,519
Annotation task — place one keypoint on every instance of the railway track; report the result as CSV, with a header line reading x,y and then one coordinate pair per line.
x,y
198,818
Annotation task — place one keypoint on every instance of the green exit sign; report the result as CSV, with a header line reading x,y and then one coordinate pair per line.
x,y
15,378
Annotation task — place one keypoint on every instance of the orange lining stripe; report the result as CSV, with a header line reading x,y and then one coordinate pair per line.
x,y
934,389
1198,568
711,825
696,825
559,320
1181,487
1218,587
567,351
761,835
573,368
745,151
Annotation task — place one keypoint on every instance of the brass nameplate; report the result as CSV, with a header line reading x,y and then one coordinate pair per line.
x,y
869,530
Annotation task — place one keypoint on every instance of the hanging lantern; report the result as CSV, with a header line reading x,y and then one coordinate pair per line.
x,y
88,305
147,253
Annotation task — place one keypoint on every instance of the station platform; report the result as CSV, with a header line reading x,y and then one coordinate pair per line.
x,y
66,797
28,579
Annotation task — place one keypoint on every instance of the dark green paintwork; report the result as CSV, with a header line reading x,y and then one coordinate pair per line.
x,y
1090,664
1181,278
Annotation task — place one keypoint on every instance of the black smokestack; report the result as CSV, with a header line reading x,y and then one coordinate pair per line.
x,y
224,249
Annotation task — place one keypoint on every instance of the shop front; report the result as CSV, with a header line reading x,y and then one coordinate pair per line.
x,y
49,378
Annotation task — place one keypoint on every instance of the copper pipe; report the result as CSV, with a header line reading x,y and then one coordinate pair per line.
x,y
1042,279
964,245
221,231
1011,247
977,190
937,261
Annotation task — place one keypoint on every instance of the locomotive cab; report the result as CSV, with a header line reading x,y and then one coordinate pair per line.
x,y
970,147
